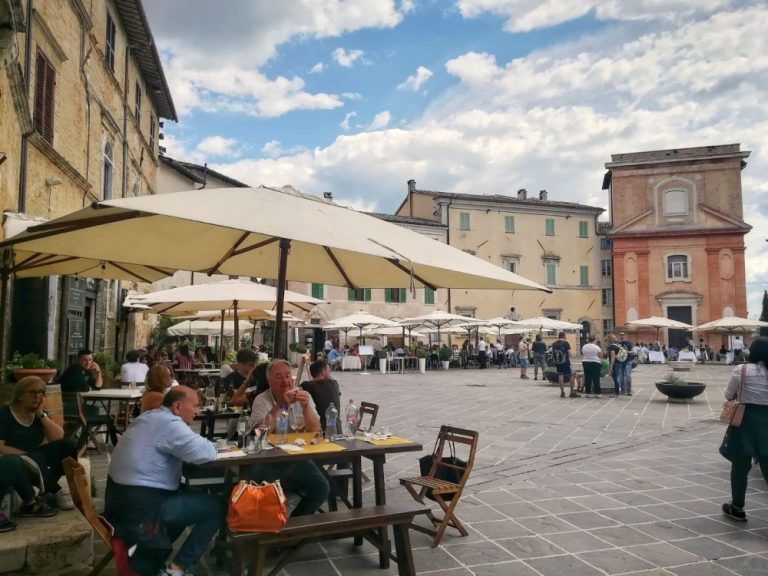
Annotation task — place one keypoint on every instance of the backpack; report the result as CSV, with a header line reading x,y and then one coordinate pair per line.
x,y
559,354
621,354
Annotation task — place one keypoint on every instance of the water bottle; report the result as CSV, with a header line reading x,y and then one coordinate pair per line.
x,y
351,418
243,427
331,417
281,426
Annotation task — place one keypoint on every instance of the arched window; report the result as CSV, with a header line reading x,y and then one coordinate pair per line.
x,y
107,168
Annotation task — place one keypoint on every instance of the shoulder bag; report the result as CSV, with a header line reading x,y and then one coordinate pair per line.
x,y
257,507
733,410
451,471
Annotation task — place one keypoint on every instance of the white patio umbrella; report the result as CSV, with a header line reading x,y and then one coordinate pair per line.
x,y
360,320
250,315
207,328
438,319
250,232
499,323
543,323
730,324
393,331
659,322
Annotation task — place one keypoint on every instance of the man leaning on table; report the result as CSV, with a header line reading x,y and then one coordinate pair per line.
x,y
303,478
143,501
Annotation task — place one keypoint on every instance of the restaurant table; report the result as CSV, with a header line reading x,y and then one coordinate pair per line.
x,y
125,398
198,377
401,363
208,420
351,363
656,356
687,356
353,452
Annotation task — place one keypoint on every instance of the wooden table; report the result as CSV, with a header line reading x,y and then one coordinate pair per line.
x,y
353,453
198,377
208,420
125,398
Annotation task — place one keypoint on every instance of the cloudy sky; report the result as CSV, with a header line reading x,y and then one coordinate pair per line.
x,y
481,96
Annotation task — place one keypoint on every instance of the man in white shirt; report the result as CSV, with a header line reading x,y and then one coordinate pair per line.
x,y
133,370
482,353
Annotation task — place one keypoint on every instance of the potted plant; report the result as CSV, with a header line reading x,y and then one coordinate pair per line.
x,y
676,388
445,354
297,350
382,356
32,365
421,354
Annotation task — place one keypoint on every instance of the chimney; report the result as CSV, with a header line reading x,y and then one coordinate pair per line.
x,y
522,194
328,196
411,185
543,195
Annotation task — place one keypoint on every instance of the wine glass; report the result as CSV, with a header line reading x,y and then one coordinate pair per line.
x,y
210,398
296,417
264,427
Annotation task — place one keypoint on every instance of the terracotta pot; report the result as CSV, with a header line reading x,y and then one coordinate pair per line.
x,y
45,374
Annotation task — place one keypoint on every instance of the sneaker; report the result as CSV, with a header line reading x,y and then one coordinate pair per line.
x,y
574,395
535,377
37,508
629,393
64,501
734,513
598,395
5,524
562,394
168,571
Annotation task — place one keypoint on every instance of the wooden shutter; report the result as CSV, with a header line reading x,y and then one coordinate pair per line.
x,y
387,295
367,295
402,295
429,296
45,88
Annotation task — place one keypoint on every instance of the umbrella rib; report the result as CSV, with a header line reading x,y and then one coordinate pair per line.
x,y
409,272
54,228
47,261
255,246
228,254
124,269
336,263
34,261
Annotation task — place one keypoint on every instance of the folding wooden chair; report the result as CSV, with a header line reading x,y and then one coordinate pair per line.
x,y
445,492
81,496
90,426
372,410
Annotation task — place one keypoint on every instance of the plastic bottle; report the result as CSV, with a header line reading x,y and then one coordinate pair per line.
x,y
351,415
281,426
243,428
331,417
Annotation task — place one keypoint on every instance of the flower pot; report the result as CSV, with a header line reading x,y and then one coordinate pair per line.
x,y
446,364
45,374
681,391
422,365
383,365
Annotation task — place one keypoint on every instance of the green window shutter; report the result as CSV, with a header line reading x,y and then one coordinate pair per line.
x,y
464,220
551,274
429,296
351,294
584,276
317,291
509,224
550,227
387,294
402,295
583,229
367,294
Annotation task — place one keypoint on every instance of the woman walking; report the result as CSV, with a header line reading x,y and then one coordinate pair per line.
x,y
750,440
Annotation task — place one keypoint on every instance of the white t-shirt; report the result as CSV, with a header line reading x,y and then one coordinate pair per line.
x,y
522,349
133,372
590,353
481,346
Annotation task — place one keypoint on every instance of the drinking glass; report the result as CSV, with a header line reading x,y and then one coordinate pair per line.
x,y
296,417
210,397
264,427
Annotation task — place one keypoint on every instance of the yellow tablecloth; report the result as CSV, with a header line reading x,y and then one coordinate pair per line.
x,y
318,448
392,440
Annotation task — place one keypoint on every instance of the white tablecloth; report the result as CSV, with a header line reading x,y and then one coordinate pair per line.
x,y
350,363
656,356
686,355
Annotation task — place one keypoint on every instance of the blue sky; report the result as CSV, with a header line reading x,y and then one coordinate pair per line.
x,y
358,96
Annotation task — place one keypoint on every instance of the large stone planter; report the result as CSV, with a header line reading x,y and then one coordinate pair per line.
x,y
45,374
681,391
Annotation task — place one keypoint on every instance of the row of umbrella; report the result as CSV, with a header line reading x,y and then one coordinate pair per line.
x,y
727,324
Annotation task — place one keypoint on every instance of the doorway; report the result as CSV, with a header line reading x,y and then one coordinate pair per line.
x,y
679,338
586,330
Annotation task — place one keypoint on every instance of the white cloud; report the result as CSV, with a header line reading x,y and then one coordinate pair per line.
x,y
218,146
346,59
415,81
351,95
317,68
381,120
345,123
407,6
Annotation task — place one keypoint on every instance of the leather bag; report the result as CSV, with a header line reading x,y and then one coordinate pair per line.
x,y
446,473
733,410
255,507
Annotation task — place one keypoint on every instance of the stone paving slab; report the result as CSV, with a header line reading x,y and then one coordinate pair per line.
x,y
627,485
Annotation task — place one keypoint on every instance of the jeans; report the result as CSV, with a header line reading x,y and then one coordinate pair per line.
x,y
303,478
49,458
204,512
622,377
539,362
740,467
14,474
592,377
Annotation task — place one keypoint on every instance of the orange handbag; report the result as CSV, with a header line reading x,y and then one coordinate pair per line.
x,y
255,507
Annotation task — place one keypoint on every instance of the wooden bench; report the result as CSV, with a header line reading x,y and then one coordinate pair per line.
x,y
252,546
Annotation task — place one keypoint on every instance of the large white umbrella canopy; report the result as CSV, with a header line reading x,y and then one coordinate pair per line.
x,y
392,331
659,322
252,231
438,319
499,323
544,323
731,323
359,320
206,328
250,315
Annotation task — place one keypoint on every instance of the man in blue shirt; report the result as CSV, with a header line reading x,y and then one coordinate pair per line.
x,y
143,500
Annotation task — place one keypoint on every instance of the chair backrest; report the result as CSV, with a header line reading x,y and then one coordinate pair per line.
x,y
450,436
80,408
371,410
81,496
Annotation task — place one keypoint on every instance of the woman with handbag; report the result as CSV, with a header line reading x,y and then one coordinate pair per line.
x,y
748,439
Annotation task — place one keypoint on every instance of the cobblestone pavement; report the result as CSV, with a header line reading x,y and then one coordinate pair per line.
x,y
627,485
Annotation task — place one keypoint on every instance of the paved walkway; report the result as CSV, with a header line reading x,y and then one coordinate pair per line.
x,y
627,485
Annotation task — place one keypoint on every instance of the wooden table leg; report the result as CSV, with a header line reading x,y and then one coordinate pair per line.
x,y
405,565
357,489
221,539
380,492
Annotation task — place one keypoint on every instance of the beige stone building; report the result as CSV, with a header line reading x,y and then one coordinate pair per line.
x,y
82,95
551,242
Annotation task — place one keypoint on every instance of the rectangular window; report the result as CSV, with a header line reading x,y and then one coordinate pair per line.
x,y
551,270
429,295
510,263
550,227
152,133
463,220
605,244
109,48
677,267
675,202
356,294
583,229
509,224
606,268
584,276
137,110
317,291
607,296
45,86
394,295
607,326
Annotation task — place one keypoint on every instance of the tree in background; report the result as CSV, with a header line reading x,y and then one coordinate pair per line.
x,y
764,315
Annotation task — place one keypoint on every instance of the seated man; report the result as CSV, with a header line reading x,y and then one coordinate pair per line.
x,y
323,390
143,501
133,370
303,478
32,448
246,362
83,376
333,358
252,386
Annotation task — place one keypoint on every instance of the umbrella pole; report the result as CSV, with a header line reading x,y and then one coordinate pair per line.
x,y
237,325
281,276
221,339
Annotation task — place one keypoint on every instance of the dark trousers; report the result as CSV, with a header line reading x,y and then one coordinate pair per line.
x,y
592,377
49,458
482,358
302,478
14,474
740,467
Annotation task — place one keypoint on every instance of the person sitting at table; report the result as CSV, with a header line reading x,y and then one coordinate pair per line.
x,y
241,370
254,385
133,370
143,501
323,390
333,358
26,430
83,376
158,383
304,477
